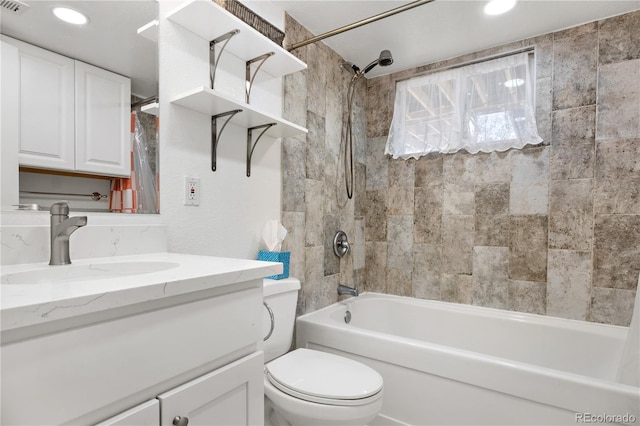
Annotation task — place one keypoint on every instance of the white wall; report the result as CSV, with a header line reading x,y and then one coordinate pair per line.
x,y
233,208
9,127
24,236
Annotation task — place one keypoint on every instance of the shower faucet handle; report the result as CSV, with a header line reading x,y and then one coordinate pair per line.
x,y
341,244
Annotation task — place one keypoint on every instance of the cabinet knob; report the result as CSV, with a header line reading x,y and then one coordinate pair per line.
x,y
180,421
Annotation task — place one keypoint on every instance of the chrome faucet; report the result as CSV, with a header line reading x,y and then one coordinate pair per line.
x,y
62,226
345,290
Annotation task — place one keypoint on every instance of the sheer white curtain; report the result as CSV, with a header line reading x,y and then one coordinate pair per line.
x,y
488,106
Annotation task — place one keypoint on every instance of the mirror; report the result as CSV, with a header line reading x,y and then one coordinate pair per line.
x,y
114,39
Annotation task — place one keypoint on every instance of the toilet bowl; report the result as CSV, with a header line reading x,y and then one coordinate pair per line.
x,y
308,387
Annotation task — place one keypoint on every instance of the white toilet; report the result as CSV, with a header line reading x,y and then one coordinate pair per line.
x,y
308,387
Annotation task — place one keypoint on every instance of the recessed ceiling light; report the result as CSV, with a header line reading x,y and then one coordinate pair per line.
x,y
514,82
70,15
497,7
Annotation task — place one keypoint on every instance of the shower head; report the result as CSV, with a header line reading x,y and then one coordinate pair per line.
x,y
384,60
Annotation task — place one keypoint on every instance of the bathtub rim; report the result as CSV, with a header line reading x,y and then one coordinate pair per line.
x,y
567,323
598,390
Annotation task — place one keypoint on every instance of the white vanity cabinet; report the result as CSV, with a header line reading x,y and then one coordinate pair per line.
x,y
229,396
197,354
72,116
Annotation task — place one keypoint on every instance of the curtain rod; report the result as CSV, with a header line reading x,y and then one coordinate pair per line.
x,y
95,196
357,24
471,62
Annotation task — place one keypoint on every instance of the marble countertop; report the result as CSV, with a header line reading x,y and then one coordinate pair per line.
x,y
42,300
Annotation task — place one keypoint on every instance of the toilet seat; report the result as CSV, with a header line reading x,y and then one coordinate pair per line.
x,y
324,378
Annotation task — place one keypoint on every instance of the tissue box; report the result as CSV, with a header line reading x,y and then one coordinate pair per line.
x,y
276,256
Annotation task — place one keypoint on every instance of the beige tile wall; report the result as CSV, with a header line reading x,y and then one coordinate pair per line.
x,y
314,201
552,229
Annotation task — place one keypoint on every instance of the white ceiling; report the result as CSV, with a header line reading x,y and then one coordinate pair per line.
x,y
442,29
435,31
108,41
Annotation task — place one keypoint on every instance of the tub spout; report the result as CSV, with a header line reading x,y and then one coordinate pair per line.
x,y
62,226
345,290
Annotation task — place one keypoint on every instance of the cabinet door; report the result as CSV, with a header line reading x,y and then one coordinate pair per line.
x,y
103,121
46,117
146,414
229,396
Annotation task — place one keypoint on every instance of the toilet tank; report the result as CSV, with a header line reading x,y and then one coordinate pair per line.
x,y
282,297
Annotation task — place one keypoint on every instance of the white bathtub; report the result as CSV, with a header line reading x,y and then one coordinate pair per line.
x,y
445,363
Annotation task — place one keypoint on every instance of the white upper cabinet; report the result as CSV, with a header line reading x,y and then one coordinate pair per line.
x,y
102,121
72,116
46,102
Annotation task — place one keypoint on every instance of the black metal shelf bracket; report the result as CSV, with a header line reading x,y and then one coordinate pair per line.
x,y
213,59
215,136
248,77
252,145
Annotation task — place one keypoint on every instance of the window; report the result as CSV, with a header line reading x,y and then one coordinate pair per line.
x,y
483,107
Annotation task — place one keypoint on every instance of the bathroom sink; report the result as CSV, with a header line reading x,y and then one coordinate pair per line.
x,y
84,272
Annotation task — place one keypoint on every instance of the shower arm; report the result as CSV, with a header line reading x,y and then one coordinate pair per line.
x,y
370,66
357,24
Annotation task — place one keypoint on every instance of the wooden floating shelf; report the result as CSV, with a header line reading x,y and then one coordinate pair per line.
x,y
209,21
210,102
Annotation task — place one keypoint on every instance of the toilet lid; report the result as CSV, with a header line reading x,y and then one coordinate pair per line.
x,y
316,376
